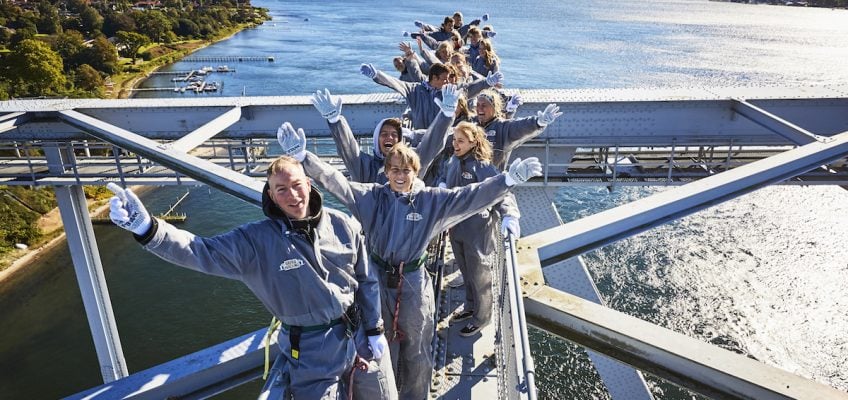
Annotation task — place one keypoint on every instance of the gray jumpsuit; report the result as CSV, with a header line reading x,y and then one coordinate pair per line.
x,y
473,240
398,228
306,279
507,134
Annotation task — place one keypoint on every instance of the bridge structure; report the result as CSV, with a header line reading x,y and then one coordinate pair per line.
x,y
712,144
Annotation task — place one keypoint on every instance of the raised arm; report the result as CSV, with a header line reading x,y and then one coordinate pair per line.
x,y
474,88
358,165
434,139
404,88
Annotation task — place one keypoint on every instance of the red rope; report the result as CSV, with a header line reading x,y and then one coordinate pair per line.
x,y
397,334
358,364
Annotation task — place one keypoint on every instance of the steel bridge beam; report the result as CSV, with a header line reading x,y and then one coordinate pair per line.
x,y
12,120
221,178
688,362
89,272
774,123
207,131
597,230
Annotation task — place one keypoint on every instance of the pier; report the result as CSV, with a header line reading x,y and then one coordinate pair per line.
x,y
228,58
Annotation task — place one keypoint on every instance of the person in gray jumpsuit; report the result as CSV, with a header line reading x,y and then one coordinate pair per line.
x,y
474,240
399,219
507,134
420,96
308,265
368,168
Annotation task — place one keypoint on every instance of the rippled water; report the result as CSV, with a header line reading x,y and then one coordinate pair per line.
x,y
763,275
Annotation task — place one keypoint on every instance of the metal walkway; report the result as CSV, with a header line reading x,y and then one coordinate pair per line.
x,y
716,144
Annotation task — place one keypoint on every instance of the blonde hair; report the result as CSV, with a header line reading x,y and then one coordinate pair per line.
x,y
475,134
281,163
490,57
407,156
494,99
447,48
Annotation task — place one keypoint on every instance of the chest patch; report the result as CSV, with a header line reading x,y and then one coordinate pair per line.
x,y
490,133
413,217
290,264
466,175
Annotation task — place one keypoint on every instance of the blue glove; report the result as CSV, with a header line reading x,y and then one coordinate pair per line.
x,y
489,34
485,17
368,70
450,97
329,109
494,78
544,118
293,142
521,171
510,225
405,34
126,210
419,23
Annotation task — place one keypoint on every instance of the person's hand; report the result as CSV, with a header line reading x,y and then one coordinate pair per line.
x,y
485,17
521,171
450,97
489,34
329,109
293,142
405,48
368,70
510,225
415,35
513,103
494,78
419,24
379,345
544,118
126,210
443,185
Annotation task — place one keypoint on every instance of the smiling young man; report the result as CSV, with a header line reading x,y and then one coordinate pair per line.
x,y
399,219
305,263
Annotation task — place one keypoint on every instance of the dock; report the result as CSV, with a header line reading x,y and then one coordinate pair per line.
x,y
228,58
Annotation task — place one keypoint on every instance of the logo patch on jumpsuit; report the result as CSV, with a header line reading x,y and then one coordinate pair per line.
x,y
466,175
490,133
293,263
413,217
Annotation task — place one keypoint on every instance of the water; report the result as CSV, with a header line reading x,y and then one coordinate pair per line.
x,y
762,275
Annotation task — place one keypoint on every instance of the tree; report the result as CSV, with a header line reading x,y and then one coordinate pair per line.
x,y
91,21
187,28
33,69
114,22
153,24
48,18
102,56
70,45
88,79
128,43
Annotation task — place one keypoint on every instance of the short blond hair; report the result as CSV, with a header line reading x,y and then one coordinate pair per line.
x,y
281,163
407,156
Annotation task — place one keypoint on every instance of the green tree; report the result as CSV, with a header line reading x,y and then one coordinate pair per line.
x,y
102,56
70,45
88,79
187,28
129,43
153,24
91,21
48,18
114,22
34,69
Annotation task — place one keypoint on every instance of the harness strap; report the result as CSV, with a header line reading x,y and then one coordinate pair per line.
x,y
397,333
358,364
274,324
294,340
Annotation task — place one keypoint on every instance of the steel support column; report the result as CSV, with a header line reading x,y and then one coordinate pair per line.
x,y
207,131
89,271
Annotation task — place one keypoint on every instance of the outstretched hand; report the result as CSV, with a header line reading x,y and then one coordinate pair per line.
x,y
368,70
521,171
449,100
495,78
545,118
127,211
323,101
293,142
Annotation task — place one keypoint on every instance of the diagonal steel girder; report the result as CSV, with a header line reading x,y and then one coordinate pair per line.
x,y
691,363
207,131
578,237
221,178
13,120
772,122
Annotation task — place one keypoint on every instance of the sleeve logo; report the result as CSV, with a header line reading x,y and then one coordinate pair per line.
x,y
293,263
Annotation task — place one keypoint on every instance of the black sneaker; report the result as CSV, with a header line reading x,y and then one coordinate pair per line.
x,y
463,316
469,330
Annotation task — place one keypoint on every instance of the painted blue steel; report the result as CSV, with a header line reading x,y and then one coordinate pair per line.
x,y
207,131
522,352
774,123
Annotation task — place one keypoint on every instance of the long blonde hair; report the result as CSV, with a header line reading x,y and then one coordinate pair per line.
x,y
489,56
475,134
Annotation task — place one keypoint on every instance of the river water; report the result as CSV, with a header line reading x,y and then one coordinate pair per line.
x,y
763,275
